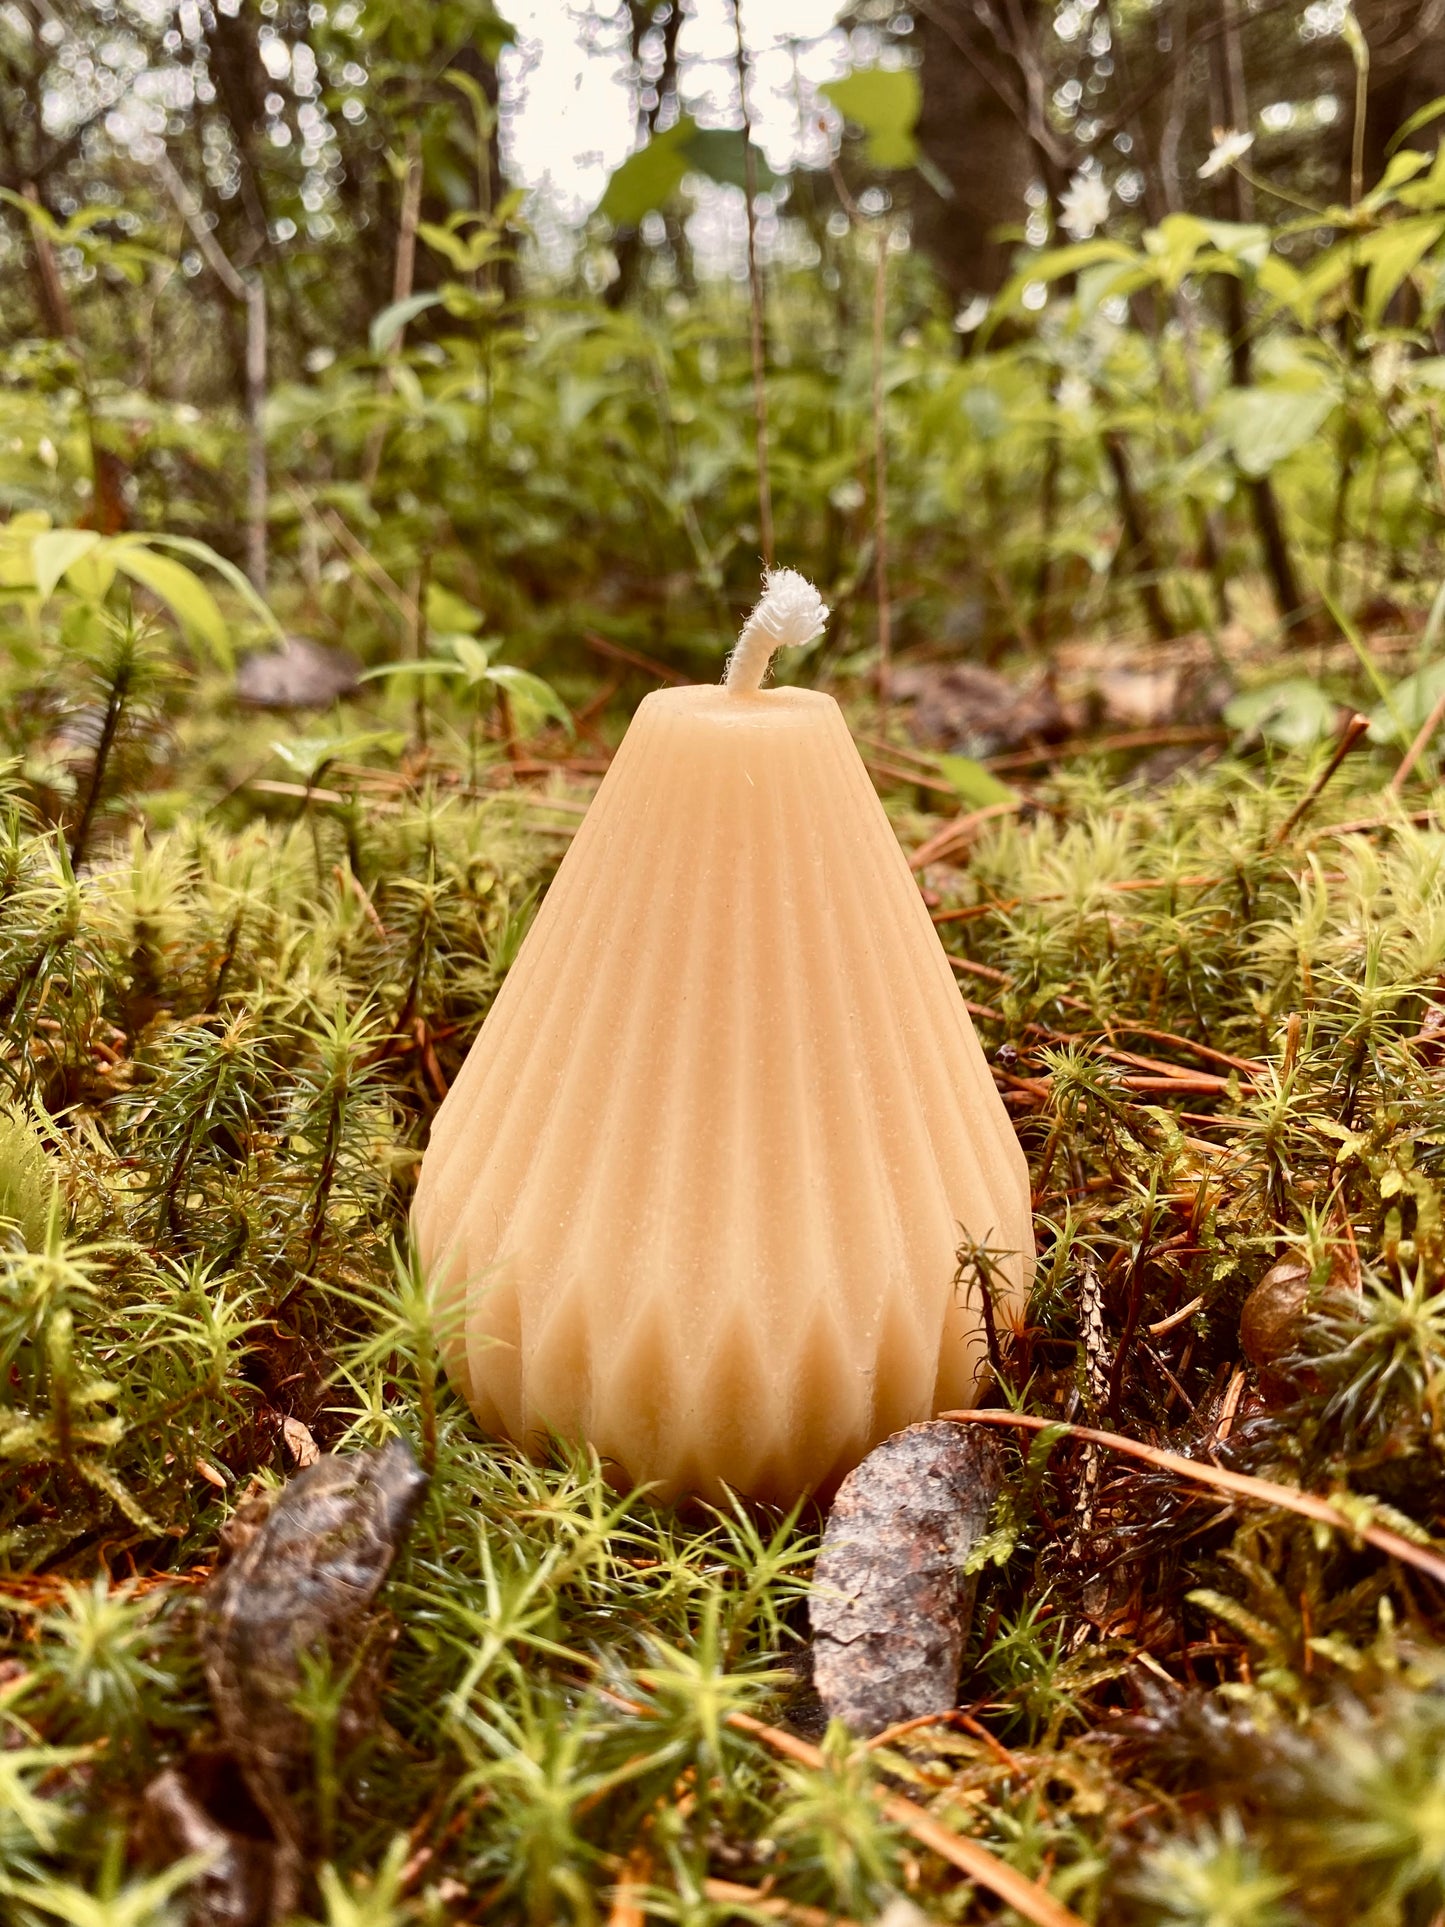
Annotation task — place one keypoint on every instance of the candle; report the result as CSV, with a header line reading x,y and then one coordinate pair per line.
x,y
697,1193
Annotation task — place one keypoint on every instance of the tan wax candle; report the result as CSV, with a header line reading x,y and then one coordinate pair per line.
x,y
697,1192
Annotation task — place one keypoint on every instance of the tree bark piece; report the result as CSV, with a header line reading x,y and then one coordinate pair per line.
x,y
891,1606
298,1573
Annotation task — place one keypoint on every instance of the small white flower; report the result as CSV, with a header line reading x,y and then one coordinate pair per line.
x,y
1229,147
1084,205
971,315
1074,394
1387,365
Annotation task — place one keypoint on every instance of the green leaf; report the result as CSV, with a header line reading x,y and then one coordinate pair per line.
x,y
91,574
531,691
972,784
721,154
1293,713
1173,245
1244,241
1264,426
1429,194
1391,255
1432,110
474,658
1401,168
650,177
203,552
447,611
52,555
389,323
1053,266
187,597
309,756
1411,701
428,666
1286,285
885,103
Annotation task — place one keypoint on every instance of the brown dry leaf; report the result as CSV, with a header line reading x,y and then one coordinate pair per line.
x,y
299,1443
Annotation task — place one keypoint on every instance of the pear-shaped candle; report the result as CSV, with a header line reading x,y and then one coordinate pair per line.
x,y
697,1193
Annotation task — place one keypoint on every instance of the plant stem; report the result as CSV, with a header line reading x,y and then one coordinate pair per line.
x,y
114,709
250,291
880,471
755,298
403,276
1143,557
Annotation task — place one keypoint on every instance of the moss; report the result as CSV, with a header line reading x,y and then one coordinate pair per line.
x,y
1220,1049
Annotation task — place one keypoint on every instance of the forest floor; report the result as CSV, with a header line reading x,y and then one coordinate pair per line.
x,y
1204,1686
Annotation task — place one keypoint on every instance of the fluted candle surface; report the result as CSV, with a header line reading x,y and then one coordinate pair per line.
x,y
697,1193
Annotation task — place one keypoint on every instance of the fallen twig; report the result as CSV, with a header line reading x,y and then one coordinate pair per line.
x,y
981,1866
1353,730
950,839
1418,747
732,1893
1242,1485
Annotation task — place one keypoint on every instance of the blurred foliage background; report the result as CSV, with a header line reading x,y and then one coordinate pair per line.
x,y
1155,335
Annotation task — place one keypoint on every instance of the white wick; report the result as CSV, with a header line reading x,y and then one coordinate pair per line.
x,y
789,613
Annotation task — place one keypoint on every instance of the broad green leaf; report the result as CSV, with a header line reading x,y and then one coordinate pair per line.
x,y
649,177
308,756
389,323
1263,426
1286,285
474,658
1400,168
885,102
17,566
1429,194
972,784
1243,241
1422,116
446,611
53,554
532,691
1053,266
187,597
428,666
1411,701
720,153
1293,713
1173,246
203,552
465,252
1329,270
91,574
1392,254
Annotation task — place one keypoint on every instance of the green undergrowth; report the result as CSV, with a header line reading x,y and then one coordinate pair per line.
x,y
220,1045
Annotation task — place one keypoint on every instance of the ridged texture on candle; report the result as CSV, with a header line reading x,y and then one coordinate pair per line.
x,y
697,1192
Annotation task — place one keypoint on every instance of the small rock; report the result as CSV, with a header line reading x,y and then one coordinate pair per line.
x,y
890,1605
300,674
963,706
